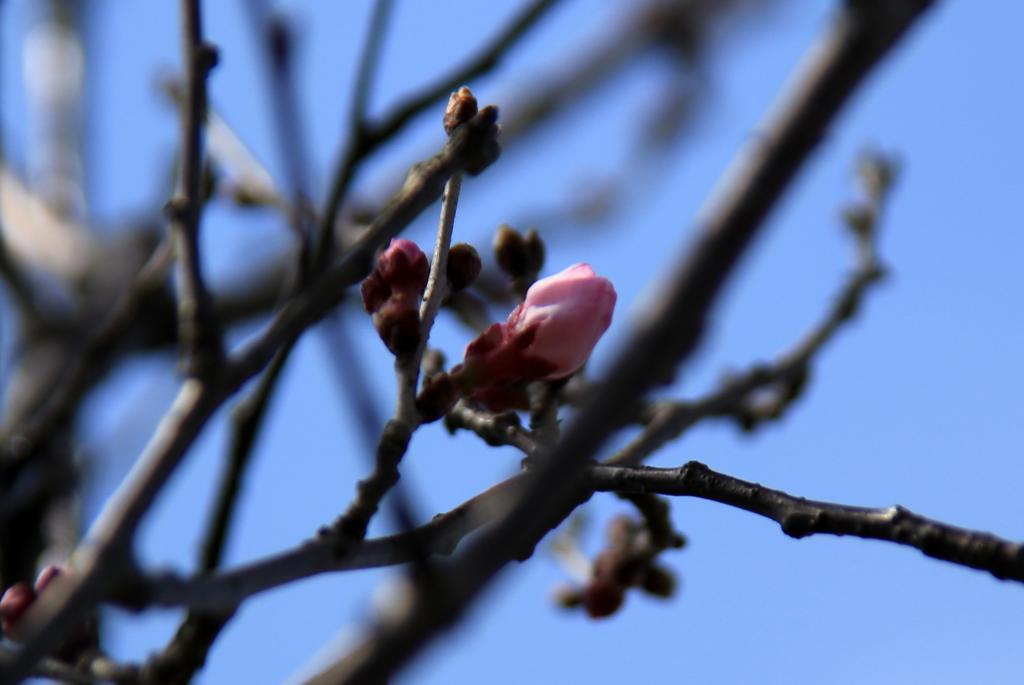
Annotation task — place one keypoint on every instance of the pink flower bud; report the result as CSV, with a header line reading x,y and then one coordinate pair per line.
x,y
401,272
393,291
548,336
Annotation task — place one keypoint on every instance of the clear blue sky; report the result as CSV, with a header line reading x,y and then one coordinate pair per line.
x,y
917,403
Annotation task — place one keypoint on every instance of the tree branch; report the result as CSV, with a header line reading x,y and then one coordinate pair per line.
x,y
201,344
228,589
801,517
359,144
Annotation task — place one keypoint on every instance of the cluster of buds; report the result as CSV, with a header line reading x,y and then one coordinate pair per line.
x,y
627,562
392,294
520,256
20,596
393,291
547,337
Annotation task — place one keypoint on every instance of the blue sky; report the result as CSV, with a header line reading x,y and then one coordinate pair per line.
x,y
918,402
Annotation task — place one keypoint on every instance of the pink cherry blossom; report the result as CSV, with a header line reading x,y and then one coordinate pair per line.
x,y
548,336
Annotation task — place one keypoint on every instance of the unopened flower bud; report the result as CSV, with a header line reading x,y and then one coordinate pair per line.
x,y
398,325
602,598
482,147
461,108
439,395
547,337
510,251
392,293
463,266
404,266
15,602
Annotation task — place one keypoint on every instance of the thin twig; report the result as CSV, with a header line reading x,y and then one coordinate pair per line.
x,y
223,591
495,429
800,517
863,32
436,290
201,344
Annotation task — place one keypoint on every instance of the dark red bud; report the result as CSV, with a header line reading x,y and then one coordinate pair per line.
x,y
375,292
15,602
403,266
602,599
398,325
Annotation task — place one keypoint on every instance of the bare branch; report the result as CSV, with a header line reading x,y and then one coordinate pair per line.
x,y
495,429
200,336
357,146
226,590
801,517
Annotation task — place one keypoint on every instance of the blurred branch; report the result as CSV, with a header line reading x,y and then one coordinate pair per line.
x,y
202,348
228,589
801,517
95,668
96,356
764,391
17,281
862,33
357,146
105,558
248,415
